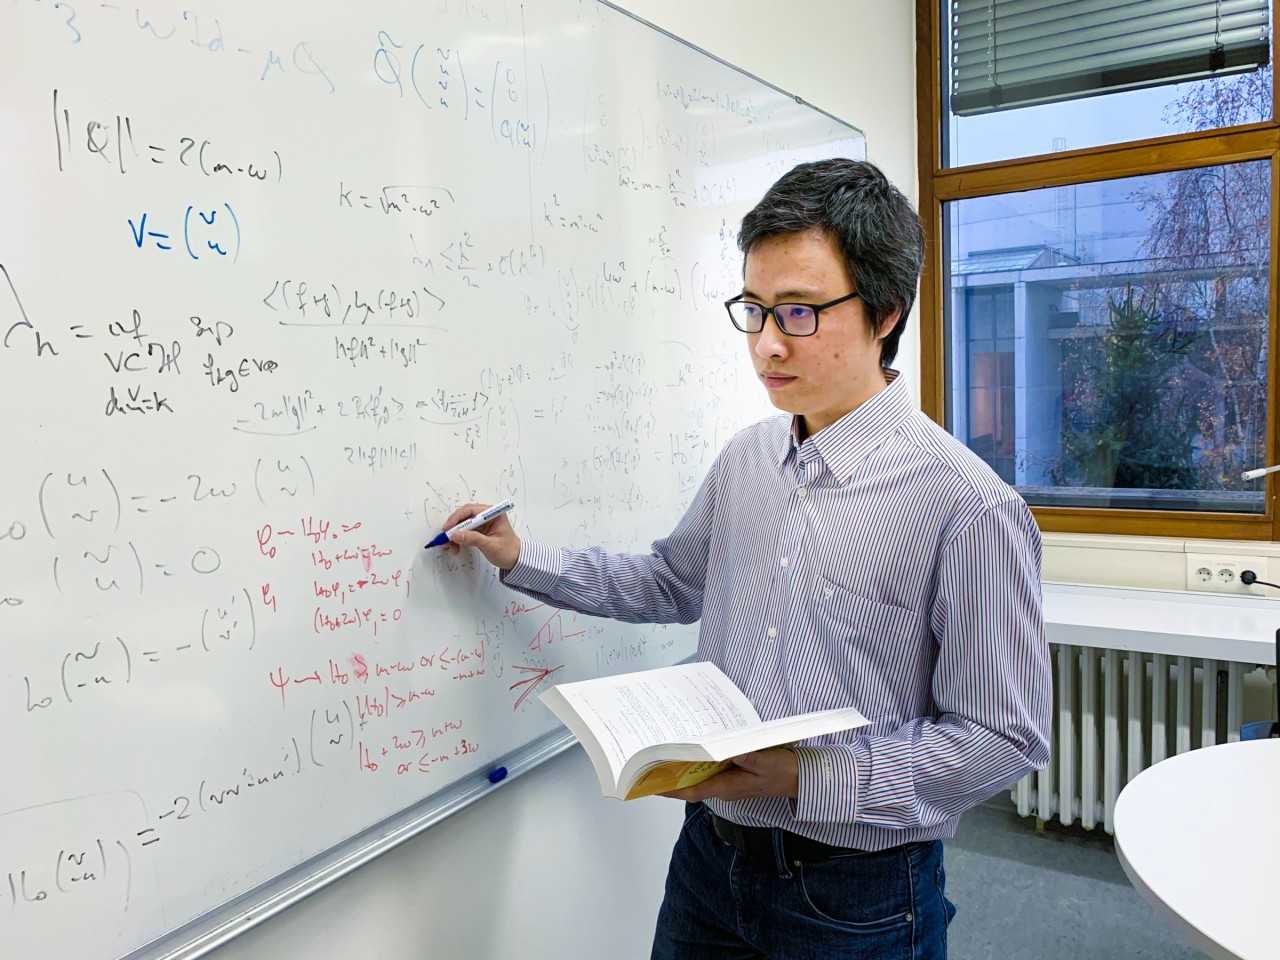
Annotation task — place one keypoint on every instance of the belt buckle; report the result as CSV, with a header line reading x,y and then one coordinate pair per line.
x,y
804,849
731,833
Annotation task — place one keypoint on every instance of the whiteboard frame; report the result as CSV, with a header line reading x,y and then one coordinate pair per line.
x,y
207,933
733,66
200,937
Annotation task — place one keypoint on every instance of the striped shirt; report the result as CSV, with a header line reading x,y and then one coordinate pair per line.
x,y
878,564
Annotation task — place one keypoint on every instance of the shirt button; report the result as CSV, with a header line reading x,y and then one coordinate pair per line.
x,y
800,492
783,561
773,632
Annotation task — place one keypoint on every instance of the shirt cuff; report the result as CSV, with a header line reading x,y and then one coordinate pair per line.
x,y
537,569
828,787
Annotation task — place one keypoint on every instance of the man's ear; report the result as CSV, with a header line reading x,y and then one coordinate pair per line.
x,y
889,324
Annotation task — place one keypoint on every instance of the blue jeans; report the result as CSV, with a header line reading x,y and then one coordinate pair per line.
x,y
721,904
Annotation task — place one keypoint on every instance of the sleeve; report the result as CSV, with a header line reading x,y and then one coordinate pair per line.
x,y
991,686
664,586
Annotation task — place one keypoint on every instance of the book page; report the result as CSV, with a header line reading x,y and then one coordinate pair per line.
x,y
782,731
674,775
637,710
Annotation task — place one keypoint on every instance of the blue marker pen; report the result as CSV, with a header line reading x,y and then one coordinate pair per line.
x,y
479,520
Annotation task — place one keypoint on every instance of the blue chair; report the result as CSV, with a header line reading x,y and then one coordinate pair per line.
x,y
1265,729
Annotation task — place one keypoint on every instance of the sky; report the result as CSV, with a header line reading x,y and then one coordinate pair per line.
x,y
1087,122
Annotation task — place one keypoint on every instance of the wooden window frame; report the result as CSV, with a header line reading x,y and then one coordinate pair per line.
x,y
939,184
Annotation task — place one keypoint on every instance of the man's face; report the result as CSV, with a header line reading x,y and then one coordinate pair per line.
x,y
824,376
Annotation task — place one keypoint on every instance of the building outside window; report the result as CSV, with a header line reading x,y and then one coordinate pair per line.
x,y
1099,312
988,392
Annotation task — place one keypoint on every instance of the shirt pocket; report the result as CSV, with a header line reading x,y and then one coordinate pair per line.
x,y
854,650
860,614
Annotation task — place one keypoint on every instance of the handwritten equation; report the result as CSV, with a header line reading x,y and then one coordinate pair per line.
x,y
281,292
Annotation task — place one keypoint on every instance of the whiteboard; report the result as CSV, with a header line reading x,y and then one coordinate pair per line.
x,y
279,288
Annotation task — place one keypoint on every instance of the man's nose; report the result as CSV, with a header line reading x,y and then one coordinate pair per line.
x,y
771,341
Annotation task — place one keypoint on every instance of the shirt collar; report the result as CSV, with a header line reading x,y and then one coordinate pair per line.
x,y
845,443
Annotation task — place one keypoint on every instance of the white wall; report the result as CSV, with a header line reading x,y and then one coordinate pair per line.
x,y
852,58
545,867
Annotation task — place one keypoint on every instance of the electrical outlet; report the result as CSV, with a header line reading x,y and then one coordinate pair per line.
x,y
1220,573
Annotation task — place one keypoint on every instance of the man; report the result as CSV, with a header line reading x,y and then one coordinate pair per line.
x,y
853,553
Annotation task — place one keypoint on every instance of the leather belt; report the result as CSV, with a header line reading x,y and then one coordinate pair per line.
x,y
758,842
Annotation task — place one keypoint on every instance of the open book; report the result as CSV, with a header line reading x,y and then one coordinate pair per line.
x,y
659,730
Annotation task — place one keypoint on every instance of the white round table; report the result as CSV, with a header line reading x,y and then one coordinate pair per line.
x,y
1199,836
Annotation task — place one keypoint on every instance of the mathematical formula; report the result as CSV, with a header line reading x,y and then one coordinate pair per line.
x,y
278,292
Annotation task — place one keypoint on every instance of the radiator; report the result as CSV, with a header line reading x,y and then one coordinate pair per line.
x,y
1115,714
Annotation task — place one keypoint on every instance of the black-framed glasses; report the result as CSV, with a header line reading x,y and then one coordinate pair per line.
x,y
793,319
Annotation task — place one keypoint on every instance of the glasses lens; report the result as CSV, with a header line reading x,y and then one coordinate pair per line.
x,y
746,316
797,319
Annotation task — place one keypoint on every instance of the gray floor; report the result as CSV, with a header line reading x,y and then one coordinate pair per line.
x,y
1056,895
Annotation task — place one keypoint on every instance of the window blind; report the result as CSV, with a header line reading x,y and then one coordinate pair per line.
x,y
1010,53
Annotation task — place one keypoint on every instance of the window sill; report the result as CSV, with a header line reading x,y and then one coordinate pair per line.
x,y
1175,623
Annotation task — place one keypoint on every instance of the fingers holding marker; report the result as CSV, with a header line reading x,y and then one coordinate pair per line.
x,y
484,527
464,512
477,516
450,526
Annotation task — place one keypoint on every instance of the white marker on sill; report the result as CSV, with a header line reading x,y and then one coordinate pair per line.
x,y
1260,472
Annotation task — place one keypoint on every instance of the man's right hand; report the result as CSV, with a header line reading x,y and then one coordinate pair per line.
x,y
496,540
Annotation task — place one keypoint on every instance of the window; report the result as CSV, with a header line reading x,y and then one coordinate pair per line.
x,y
988,391
1021,73
1097,316
1116,338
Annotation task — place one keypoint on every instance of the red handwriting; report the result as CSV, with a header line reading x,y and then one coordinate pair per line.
x,y
416,738
267,599
354,617
553,631
371,758
316,529
449,656
531,682
361,554
460,663
338,590
379,704
515,608
264,538
396,667
282,683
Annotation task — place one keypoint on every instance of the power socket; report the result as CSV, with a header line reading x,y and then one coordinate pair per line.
x,y
1220,573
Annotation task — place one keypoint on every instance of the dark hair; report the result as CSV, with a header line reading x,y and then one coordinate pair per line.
x,y
875,226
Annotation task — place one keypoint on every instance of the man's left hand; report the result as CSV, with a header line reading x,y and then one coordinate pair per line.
x,y
765,773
